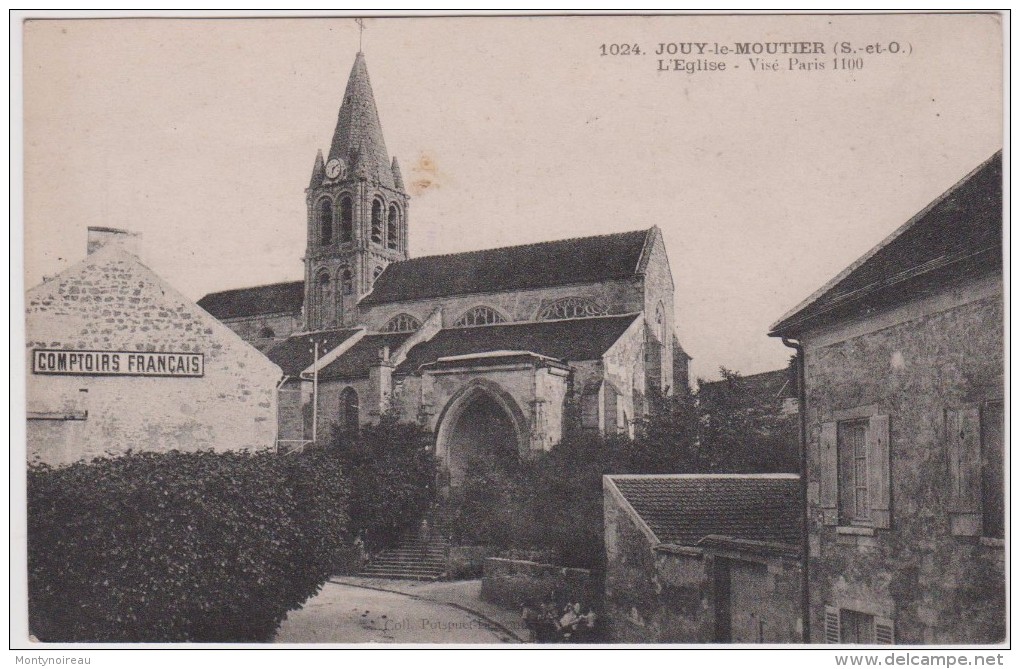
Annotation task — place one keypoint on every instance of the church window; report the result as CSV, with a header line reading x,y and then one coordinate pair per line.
x,y
402,323
377,223
346,282
325,222
349,408
572,307
324,299
393,228
479,316
346,220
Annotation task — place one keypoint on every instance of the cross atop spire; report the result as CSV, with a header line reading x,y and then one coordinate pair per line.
x,y
358,138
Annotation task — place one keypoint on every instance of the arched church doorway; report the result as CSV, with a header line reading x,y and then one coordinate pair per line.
x,y
480,425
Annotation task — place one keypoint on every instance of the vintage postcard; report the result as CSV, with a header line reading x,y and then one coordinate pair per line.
x,y
512,330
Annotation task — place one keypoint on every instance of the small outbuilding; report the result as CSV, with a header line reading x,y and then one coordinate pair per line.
x,y
703,558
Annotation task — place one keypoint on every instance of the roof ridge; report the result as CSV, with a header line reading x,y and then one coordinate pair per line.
x,y
264,285
520,246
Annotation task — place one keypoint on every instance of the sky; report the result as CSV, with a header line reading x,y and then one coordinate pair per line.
x,y
201,136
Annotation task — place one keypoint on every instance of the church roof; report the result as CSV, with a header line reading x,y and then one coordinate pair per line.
x,y
275,298
354,363
556,263
568,340
358,138
296,353
958,234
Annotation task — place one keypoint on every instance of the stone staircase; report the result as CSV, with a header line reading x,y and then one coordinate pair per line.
x,y
411,559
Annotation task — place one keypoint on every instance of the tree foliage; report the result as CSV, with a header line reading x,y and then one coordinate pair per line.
x,y
743,429
392,471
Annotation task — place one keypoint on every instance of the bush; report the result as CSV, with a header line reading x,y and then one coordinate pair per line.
x,y
393,479
175,546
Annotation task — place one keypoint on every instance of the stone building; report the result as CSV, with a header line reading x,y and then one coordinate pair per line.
x,y
703,558
525,341
903,366
120,360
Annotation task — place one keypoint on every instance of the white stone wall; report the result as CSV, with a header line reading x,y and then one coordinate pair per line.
x,y
111,301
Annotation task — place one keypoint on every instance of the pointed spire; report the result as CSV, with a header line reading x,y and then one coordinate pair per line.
x,y
358,129
398,179
318,171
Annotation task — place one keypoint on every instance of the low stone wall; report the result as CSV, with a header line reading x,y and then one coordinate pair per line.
x,y
466,562
516,583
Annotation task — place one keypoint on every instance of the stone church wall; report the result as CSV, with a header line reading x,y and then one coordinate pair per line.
x,y
658,289
621,297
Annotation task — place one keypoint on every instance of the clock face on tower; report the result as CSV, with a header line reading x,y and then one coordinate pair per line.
x,y
334,168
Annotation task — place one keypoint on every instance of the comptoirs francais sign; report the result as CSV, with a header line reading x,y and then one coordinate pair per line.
x,y
117,363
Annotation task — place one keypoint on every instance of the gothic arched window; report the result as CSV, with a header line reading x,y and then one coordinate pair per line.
x,y
346,282
660,324
349,410
402,323
324,299
479,316
346,220
377,222
393,228
325,221
572,307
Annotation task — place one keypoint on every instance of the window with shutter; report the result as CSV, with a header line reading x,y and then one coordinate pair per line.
x,y
856,627
993,497
852,466
878,471
963,442
832,625
828,466
884,632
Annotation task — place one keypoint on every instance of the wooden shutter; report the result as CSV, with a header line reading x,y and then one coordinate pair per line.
x,y
832,634
963,443
878,470
828,473
884,632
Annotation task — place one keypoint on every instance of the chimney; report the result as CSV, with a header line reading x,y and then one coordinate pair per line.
x,y
100,237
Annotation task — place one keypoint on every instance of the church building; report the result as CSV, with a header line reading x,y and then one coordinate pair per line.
x,y
526,342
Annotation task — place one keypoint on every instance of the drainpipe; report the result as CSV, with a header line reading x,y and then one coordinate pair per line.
x,y
805,545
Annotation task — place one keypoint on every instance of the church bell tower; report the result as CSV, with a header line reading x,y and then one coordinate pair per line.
x,y
357,211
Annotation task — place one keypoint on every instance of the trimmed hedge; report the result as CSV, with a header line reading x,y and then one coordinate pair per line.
x,y
175,546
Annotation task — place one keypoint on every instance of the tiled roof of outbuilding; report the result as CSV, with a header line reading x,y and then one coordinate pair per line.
x,y
354,363
568,340
683,509
556,263
296,353
957,234
275,298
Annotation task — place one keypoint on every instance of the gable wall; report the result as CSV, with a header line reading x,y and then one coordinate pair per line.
x,y
113,302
